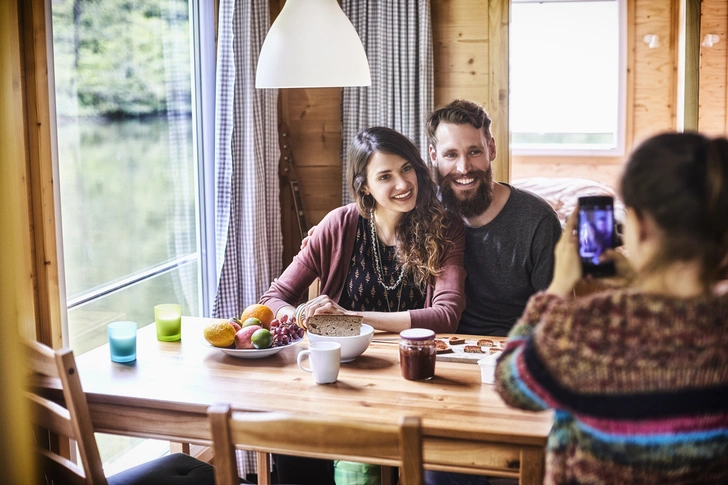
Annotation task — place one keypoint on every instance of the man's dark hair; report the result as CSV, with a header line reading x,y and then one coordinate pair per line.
x,y
460,112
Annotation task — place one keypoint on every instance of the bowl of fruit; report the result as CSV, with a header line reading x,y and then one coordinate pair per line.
x,y
256,334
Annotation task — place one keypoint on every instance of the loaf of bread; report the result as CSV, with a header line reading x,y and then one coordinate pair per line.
x,y
334,325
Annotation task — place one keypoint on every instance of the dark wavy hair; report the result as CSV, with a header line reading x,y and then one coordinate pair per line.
x,y
681,180
422,232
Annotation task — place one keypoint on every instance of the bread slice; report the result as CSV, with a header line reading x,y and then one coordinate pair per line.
x,y
456,340
473,349
335,325
484,342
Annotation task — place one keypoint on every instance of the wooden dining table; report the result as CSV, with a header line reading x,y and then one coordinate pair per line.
x,y
165,394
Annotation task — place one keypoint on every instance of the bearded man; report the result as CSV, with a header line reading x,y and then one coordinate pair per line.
x,y
510,233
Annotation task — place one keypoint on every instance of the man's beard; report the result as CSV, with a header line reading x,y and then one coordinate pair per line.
x,y
474,205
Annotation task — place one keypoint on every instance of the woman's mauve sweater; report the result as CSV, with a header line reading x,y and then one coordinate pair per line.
x,y
327,257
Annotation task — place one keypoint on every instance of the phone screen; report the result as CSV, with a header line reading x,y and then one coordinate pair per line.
x,y
596,234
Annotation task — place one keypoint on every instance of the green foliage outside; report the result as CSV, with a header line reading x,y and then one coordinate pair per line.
x,y
111,56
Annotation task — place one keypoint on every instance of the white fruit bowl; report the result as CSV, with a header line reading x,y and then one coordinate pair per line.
x,y
351,347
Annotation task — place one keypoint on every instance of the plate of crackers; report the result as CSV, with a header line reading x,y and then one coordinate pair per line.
x,y
456,348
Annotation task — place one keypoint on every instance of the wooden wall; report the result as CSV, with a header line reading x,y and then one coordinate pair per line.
x,y
28,174
713,97
17,296
470,61
470,45
652,94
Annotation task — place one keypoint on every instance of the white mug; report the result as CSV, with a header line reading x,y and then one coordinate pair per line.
x,y
325,360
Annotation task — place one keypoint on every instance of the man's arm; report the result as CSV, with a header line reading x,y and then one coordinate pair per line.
x,y
545,237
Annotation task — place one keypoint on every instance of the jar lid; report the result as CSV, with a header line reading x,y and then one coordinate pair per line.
x,y
417,334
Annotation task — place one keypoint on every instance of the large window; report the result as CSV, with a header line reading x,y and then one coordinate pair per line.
x,y
567,77
130,141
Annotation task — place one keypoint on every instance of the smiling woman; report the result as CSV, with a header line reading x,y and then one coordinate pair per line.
x,y
395,257
400,262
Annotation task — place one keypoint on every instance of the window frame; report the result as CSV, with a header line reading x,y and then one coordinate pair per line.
x,y
620,145
202,17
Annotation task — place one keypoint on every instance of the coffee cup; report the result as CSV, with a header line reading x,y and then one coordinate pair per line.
x,y
324,359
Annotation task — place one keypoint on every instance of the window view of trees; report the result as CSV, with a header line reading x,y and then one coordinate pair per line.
x,y
122,71
111,56
127,173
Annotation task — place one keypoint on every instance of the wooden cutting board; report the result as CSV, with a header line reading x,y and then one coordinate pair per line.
x,y
459,355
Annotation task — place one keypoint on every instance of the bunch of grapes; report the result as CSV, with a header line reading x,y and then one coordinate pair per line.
x,y
285,331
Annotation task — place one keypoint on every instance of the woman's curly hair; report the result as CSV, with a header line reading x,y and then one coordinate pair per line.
x,y
422,232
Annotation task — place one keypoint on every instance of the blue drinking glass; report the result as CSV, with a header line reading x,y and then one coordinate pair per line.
x,y
122,341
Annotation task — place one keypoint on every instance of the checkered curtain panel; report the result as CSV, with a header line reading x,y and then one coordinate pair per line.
x,y
247,205
249,241
397,37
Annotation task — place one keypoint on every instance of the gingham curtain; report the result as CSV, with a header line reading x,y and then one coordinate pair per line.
x,y
397,37
247,208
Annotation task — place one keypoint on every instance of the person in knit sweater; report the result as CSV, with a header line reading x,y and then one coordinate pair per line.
x,y
638,377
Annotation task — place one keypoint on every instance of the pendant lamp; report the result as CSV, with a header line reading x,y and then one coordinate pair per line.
x,y
312,44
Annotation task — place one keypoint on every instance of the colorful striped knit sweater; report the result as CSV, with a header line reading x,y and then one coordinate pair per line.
x,y
638,382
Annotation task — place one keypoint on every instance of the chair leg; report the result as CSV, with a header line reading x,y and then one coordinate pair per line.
x,y
263,461
175,447
386,475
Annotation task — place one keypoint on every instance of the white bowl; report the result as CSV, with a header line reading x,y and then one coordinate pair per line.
x,y
351,347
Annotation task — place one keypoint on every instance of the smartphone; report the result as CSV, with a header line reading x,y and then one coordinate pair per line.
x,y
596,234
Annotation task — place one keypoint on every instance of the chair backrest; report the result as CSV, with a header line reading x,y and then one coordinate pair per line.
x,y
315,436
47,368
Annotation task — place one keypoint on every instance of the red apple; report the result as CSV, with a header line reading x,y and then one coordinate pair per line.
x,y
242,337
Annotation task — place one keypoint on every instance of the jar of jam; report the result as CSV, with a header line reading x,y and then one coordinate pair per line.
x,y
417,354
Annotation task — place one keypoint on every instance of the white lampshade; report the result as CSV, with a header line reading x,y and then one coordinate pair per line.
x,y
312,44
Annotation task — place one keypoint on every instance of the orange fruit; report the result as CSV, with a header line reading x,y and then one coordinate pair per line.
x,y
261,312
220,333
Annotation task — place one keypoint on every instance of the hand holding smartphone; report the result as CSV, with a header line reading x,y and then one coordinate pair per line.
x,y
595,230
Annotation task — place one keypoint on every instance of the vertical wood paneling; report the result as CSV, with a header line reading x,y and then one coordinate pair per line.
x,y
17,306
498,19
17,294
713,114
655,81
460,32
40,168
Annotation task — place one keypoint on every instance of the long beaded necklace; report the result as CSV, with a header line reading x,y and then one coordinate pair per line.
x,y
379,270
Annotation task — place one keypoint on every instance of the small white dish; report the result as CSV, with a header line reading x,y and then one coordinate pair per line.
x,y
253,353
487,368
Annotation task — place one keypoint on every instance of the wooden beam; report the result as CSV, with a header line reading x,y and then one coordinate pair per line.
x,y
498,19
691,98
40,167
17,308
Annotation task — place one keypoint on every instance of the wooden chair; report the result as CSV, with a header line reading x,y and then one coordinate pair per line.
x,y
314,436
50,367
